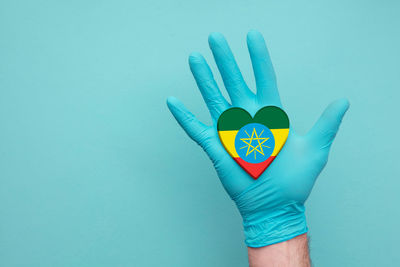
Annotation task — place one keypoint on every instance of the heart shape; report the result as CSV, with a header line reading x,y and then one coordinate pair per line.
x,y
253,142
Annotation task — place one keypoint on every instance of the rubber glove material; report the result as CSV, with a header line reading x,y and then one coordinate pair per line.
x,y
272,206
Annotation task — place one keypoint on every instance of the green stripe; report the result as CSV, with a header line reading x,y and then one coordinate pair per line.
x,y
272,117
233,119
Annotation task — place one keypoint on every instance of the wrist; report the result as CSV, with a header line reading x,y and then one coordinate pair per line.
x,y
269,217
293,252
279,226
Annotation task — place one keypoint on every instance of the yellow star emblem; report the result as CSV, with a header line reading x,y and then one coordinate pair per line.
x,y
259,143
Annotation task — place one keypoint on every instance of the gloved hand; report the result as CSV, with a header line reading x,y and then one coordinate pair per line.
x,y
272,206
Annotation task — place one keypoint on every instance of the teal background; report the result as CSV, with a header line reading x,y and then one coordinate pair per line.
x,y
94,171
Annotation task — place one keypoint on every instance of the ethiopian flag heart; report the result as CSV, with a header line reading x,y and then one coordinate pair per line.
x,y
253,142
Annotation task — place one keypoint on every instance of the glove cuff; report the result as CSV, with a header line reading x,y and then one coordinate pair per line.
x,y
285,224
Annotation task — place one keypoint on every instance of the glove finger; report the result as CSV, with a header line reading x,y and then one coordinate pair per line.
x,y
267,90
231,75
216,103
324,131
195,129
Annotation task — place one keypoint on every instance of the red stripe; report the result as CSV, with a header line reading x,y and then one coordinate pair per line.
x,y
254,169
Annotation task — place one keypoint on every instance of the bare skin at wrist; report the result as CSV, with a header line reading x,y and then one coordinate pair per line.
x,y
290,253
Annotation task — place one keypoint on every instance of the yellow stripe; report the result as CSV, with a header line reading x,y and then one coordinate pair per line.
x,y
280,136
228,140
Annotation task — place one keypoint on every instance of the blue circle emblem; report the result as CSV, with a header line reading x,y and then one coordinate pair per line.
x,y
254,143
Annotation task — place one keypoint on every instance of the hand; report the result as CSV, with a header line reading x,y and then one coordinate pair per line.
x,y
272,206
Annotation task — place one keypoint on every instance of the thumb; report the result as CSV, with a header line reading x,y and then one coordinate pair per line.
x,y
324,130
195,129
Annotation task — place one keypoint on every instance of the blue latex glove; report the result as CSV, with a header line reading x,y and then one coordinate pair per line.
x,y
272,206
